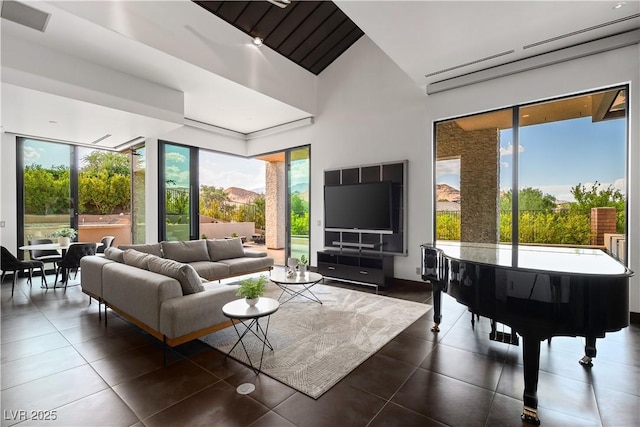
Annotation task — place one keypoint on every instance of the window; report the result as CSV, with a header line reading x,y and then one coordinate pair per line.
x,y
532,173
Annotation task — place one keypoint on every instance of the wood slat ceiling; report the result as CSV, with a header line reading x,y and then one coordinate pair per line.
x,y
312,34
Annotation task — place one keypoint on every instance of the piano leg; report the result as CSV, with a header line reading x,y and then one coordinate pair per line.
x,y
589,352
437,307
531,356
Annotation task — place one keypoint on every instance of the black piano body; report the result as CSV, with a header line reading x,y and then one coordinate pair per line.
x,y
538,291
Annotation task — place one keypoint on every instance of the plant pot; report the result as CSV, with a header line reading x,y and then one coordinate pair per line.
x,y
64,241
302,268
252,301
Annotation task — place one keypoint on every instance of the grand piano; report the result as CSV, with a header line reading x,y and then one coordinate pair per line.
x,y
538,291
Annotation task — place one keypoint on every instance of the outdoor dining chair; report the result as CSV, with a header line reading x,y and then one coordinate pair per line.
x,y
9,263
71,260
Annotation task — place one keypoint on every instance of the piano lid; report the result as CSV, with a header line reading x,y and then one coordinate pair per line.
x,y
550,259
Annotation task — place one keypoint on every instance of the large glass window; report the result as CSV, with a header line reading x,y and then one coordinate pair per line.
x,y
552,172
63,185
176,194
299,181
46,189
104,195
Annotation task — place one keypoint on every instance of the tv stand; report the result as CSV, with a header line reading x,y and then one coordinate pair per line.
x,y
356,267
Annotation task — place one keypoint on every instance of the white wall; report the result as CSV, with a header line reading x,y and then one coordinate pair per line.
x,y
369,111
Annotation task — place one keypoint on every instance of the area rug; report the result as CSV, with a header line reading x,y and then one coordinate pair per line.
x,y
315,346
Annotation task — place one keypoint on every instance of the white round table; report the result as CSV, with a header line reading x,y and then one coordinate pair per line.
x,y
298,285
242,312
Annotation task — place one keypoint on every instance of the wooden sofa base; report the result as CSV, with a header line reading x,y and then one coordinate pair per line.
x,y
171,342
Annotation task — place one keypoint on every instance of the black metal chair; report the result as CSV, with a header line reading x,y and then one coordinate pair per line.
x,y
44,255
72,259
107,242
10,263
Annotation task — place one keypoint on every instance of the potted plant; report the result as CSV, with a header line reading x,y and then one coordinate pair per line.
x,y
302,266
65,235
252,289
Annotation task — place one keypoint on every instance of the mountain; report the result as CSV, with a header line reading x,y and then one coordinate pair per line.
x,y
241,195
447,193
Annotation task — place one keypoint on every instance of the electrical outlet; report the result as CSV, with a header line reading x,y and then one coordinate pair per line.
x,y
418,270
3,224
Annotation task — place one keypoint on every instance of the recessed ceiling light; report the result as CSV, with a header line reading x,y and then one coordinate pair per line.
x,y
257,41
619,5
53,122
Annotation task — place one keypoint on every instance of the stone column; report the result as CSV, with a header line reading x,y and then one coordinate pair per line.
x,y
275,205
479,156
603,220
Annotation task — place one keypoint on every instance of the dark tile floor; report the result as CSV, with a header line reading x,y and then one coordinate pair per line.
x,y
59,359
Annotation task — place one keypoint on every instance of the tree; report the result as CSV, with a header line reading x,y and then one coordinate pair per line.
x,y
97,162
595,197
529,199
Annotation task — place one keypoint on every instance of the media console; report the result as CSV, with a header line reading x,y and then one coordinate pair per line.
x,y
356,267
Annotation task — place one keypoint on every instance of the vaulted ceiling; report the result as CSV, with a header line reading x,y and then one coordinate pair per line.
x,y
310,33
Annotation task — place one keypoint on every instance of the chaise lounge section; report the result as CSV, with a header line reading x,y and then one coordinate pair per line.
x,y
168,289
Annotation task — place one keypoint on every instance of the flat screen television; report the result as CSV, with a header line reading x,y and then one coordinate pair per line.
x,y
364,207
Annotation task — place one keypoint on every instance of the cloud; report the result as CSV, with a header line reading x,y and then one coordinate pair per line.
x,y
508,150
175,157
447,167
31,154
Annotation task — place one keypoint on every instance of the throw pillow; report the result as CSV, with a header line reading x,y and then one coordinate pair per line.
x,y
114,254
183,273
137,259
147,248
186,251
225,249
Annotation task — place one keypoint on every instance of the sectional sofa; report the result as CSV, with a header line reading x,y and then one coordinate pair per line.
x,y
171,289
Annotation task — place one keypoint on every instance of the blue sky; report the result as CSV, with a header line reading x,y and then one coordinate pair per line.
x,y
557,156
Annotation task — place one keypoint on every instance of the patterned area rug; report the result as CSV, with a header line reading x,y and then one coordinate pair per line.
x,y
315,346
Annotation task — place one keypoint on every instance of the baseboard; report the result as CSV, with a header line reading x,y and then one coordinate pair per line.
x,y
406,282
634,318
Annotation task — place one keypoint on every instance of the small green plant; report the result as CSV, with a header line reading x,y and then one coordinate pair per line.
x,y
203,236
303,259
65,232
252,287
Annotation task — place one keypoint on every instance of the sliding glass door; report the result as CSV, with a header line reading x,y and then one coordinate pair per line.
x,y
178,197
553,172
45,189
298,178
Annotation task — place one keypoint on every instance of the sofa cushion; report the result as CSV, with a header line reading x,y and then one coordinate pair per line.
x,y
183,273
148,248
239,266
220,249
211,270
114,254
187,251
138,259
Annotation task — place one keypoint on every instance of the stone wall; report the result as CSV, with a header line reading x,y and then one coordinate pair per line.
x,y
275,198
479,156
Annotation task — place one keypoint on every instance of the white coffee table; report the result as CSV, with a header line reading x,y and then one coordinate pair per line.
x,y
242,312
298,285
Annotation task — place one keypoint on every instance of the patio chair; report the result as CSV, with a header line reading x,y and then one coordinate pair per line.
x,y
9,262
71,260
44,255
107,242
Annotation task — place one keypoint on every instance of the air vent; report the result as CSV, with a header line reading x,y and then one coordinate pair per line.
x,y
25,15
102,138
498,55
585,30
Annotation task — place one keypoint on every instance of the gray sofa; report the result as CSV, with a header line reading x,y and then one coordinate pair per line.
x,y
168,289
